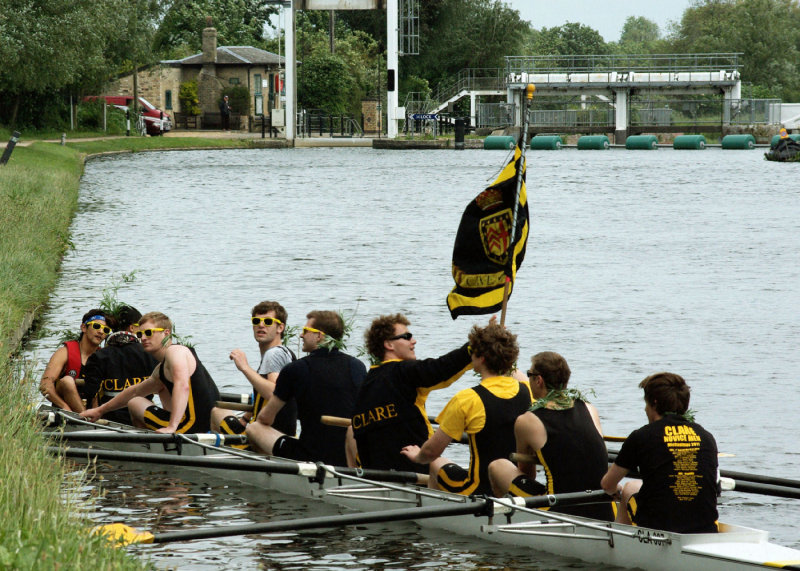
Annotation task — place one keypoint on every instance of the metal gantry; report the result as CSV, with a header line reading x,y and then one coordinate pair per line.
x,y
409,27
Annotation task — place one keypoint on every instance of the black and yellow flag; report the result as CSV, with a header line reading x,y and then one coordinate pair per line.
x,y
482,253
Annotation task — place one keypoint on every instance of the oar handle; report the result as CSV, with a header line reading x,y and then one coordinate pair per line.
x,y
335,421
520,457
233,405
345,422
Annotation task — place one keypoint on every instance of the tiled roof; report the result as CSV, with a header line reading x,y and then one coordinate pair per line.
x,y
234,55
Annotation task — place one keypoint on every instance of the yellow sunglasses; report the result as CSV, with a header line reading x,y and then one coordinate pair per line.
x,y
312,330
99,325
267,321
148,332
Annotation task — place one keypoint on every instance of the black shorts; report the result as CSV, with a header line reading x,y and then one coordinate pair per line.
x,y
291,448
632,506
232,424
524,487
156,417
453,478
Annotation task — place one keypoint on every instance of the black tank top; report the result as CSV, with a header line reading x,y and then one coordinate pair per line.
x,y
203,394
575,457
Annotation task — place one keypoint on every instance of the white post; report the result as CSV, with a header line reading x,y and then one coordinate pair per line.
x,y
392,63
290,120
621,116
472,104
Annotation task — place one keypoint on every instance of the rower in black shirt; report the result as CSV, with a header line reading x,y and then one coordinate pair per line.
x,y
677,461
390,409
323,383
564,433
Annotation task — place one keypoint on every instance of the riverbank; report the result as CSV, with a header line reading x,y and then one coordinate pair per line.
x,y
40,525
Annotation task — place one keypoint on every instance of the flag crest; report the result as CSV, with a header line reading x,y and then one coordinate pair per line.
x,y
490,243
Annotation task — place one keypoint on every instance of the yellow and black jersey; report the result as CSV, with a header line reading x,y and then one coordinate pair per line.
x,y
487,413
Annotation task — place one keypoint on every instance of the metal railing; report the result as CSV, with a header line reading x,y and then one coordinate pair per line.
x,y
495,115
317,122
662,112
471,79
656,112
591,117
623,62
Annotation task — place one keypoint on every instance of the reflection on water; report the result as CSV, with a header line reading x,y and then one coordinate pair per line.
x,y
637,262
161,501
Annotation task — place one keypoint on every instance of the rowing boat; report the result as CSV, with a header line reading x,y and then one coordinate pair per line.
x,y
505,521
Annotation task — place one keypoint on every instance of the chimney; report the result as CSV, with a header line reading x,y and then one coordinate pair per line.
x,y
209,43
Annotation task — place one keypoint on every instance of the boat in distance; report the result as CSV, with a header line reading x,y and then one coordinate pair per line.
x,y
504,520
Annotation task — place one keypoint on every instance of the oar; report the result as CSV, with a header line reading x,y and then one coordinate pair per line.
x,y
756,479
212,439
762,489
740,476
242,398
226,398
233,405
345,422
219,462
126,535
788,489
432,420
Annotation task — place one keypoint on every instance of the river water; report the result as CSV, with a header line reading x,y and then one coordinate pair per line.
x,y
637,262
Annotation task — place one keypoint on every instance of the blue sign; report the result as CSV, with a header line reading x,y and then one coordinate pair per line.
x,y
424,116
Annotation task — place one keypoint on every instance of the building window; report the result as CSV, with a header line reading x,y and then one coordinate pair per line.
x,y
257,82
168,99
233,81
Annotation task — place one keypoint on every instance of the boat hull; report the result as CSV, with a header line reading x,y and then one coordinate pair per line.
x,y
589,540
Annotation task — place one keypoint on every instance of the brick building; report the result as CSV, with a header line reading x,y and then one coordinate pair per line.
x,y
214,69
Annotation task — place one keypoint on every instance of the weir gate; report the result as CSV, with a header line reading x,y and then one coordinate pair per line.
x,y
615,94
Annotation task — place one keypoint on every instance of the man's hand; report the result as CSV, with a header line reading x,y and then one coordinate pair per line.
x,y
411,452
166,430
239,359
91,414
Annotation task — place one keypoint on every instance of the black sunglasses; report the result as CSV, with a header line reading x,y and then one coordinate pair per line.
x,y
407,336
532,374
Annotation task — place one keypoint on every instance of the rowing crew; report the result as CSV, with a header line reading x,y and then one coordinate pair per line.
x,y
390,429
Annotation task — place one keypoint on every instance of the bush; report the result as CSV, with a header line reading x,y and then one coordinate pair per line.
x,y
189,99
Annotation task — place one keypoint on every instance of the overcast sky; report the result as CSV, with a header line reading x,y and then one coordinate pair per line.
x,y
605,16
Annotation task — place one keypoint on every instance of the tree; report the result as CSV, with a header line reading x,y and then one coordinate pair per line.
x,y
766,32
571,39
457,34
52,45
238,22
323,83
336,83
639,35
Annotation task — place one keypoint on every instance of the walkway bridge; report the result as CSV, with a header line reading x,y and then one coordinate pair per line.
x,y
620,94
615,80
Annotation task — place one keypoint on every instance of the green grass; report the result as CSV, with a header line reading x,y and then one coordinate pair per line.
x,y
155,143
53,134
41,521
38,196
41,526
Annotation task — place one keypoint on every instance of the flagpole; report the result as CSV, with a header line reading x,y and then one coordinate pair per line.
x,y
507,289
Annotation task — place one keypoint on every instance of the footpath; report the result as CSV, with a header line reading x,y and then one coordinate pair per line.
x,y
255,137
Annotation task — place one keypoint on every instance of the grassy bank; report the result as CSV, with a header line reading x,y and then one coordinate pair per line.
x,y
40,526
38,196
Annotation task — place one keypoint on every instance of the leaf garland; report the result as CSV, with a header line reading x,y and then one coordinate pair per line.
x,y
561,399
